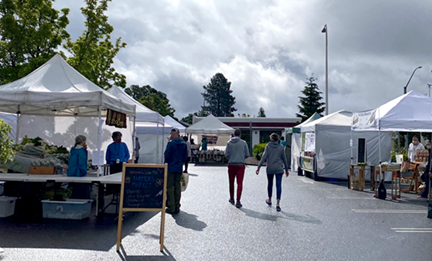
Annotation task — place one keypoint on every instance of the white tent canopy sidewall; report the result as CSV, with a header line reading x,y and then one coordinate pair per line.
x,y
332,144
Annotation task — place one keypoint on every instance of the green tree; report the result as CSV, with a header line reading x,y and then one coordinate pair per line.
x,y
151,98
30,31
261,112
6,150
93,52
218,96
310,103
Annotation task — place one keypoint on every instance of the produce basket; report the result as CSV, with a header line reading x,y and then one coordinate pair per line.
x,y
390,167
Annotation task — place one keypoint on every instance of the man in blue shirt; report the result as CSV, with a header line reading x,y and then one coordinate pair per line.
x,y
117,153
175,155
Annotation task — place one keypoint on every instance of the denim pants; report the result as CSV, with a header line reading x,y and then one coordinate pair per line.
x,y
278,185
426,190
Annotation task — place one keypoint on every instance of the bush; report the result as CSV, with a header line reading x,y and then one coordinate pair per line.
x,y
258,150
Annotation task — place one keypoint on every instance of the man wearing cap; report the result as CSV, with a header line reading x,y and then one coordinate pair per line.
x,y
175,155
237,152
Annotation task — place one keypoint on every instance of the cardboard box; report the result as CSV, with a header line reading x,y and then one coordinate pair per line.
x,y
42,170
70,209
7,206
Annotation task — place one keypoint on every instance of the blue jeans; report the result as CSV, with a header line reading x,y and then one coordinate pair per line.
x,y
278,185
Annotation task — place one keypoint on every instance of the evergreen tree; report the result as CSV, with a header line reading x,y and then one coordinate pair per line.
x,y
217,95
93,52
261,112
151,98
30,32
311,102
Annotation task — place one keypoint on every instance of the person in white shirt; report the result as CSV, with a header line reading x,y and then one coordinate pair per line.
x,y
413,147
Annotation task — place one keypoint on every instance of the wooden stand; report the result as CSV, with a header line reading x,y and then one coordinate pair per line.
x,y
414,178
395,182
357,180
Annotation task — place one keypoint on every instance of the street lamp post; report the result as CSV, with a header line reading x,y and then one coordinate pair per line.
x,y
324,30
406,86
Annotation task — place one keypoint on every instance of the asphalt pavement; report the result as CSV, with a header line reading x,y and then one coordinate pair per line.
x,y
318,221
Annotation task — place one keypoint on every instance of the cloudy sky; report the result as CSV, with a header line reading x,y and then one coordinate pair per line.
x,y
267,49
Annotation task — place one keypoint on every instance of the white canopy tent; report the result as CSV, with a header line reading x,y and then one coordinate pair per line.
x,y
173,123
409,112
331,143
56,90
209,125
149,128
296,141
143,114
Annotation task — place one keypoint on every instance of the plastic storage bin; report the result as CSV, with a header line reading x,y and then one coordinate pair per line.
x,y
70,209
7,206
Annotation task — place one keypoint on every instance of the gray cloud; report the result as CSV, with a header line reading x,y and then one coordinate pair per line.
x,y
267,49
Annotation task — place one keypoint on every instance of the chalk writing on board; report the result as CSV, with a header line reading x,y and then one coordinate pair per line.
x,y
143,187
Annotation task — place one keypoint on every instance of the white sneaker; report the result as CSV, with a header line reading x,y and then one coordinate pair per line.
x,y
1,250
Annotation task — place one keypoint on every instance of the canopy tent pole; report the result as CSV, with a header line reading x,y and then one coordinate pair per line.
x,y
157,143
163,144
134,139
18,125
100,129
352,146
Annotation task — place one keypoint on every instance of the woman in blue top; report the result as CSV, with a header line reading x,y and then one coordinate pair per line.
x,y
78,158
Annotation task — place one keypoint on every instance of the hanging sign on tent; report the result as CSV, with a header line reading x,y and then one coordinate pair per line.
x,y
115,118
363,120
310,141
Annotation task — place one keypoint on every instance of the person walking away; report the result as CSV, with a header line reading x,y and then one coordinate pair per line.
x,y
413,147
276,162
117,153
236,152
137,149
175,155
189,152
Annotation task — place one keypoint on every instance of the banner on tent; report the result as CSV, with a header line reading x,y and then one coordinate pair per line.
x,y
364,120
309,142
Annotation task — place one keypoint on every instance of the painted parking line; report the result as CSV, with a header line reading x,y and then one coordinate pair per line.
x,y
350,198
390,211
307,181
412,230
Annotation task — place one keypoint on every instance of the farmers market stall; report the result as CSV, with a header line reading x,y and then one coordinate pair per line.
x,y
58,91
326,146
210,125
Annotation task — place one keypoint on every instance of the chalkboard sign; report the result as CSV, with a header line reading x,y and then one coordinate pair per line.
x,y
143,188
361,152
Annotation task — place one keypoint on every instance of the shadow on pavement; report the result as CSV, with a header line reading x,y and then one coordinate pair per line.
x,y
190,221
165,255
286,215
89,234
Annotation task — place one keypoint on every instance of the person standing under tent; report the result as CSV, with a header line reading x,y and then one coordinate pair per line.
x,y
77,166
426,177
137,149
236,152
189,152
117,153
413,147
175,155
204,144
283,142
276,162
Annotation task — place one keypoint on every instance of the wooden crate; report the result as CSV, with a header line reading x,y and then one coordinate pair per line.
x,y
42,170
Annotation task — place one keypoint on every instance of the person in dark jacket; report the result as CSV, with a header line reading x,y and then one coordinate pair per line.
x,y
426,177
175,155
77,166
276,162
